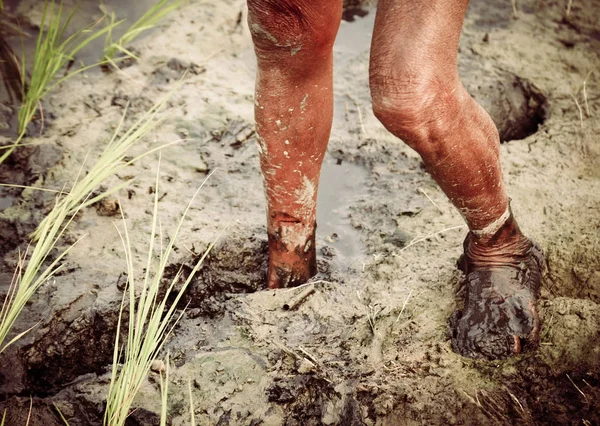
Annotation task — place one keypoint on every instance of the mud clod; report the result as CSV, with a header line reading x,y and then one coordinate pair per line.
x,y
305,397
79,339
237,264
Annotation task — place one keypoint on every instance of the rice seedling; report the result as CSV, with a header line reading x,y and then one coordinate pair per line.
x,y
29,275
147,21
52,54
112,160
151,317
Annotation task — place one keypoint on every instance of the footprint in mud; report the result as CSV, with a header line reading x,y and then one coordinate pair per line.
x,y
237,264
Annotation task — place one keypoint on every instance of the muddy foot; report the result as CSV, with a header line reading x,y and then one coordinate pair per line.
x,y
499,317
291,262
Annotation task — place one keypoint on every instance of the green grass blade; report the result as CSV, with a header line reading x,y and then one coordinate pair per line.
x,y
60,414
192,409
147,21
152,319
51,55
164,393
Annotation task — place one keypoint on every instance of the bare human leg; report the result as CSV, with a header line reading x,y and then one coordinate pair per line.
x,y
418,96
293,41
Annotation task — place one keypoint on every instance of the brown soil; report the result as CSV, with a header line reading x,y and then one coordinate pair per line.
x,y
371,345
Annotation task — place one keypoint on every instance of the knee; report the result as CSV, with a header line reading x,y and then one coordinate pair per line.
x,y
285,28
420,105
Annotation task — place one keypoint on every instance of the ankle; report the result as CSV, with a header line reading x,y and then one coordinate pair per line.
x,y
292,255
507,245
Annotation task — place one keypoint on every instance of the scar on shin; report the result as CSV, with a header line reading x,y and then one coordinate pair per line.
x,y
284,217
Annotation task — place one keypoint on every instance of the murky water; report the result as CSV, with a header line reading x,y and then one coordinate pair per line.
x,y
353,41
355,35
86,13
341,186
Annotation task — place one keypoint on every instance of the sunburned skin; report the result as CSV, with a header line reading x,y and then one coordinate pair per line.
x,y
418,96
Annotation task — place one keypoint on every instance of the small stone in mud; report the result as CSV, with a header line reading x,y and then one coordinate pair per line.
x,y
183,132
399,238
108,207
328,251
122,281
332,238
158,366
305,366
202,167
120,100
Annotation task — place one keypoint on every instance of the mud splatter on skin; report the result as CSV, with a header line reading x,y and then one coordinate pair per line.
x,y
294,47
303,103
258,30
306,197
262,144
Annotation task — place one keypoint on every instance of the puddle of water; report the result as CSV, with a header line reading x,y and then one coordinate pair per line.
x,y
340,186
355,34
353,39
87,12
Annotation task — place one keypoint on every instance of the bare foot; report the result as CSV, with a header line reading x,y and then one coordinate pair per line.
x,y
291,262
503,277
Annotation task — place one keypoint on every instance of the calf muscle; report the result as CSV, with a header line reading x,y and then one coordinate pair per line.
x,y
293,112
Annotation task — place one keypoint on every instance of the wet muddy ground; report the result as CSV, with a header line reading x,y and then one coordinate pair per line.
x,y
370,346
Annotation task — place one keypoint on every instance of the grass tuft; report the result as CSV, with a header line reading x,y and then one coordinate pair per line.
x,y
52,53
30,275
151,317
146,22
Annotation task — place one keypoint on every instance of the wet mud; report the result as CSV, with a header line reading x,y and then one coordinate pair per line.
x,y
370,343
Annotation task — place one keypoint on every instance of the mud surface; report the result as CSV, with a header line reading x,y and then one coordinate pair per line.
x,y
371,345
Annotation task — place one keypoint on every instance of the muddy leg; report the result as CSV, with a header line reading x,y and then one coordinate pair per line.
x,y
293,41
418,96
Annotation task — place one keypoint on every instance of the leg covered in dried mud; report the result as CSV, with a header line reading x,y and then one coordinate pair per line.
x,y
418,96
293,41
